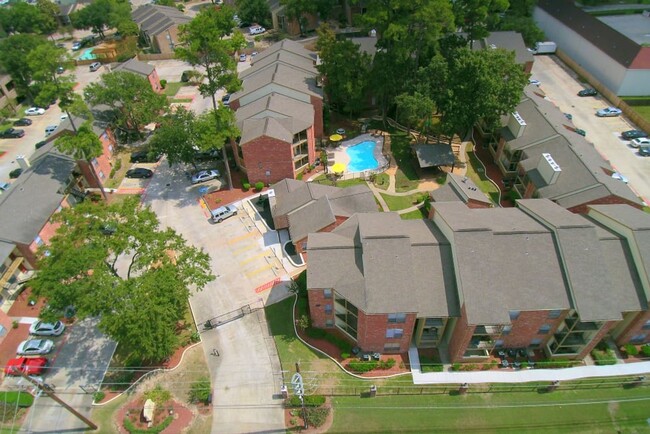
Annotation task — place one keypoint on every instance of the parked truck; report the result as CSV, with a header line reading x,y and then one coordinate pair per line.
x,y
547,47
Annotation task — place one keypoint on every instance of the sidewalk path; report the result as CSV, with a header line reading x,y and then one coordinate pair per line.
x,y
523,375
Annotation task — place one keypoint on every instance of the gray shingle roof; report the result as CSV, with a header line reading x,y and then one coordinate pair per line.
x,y
289,46
466,189
135,66
5,250
383,264
34,197
508,40
310,218
155,19
283,77
290,59
504,261
445,193
439,154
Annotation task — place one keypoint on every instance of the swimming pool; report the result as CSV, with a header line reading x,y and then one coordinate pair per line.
x,y
362,156
88,55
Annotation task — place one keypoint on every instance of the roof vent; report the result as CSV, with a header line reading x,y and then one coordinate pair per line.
x,y
23,162
516,124
548,169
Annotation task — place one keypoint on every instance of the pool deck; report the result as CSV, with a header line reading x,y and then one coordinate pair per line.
x,y
341,156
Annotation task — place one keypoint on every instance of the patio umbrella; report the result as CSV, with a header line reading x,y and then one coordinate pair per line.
x,y
336,137
338,168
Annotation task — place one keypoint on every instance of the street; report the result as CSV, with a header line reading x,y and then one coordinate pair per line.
x,y
561,86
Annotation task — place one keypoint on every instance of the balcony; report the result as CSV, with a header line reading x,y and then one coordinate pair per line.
x,y
488,330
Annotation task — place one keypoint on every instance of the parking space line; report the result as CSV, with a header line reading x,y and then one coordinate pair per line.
x,y
241,238
259,270
246,248
252,258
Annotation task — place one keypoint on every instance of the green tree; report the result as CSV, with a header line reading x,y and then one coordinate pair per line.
x,y
254,11
297,9
208,41
130,96
345,70
128,28
14,51
138,304
49,16
96,16
475,17
25,18
183,133
414,110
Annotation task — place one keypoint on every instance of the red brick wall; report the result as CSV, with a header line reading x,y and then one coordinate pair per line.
x,y
311,145
526,327
317,302
460,338
583,209
601,334
528,67
266,153
6,322
104,163
154,80
476,204
371,332
27,253
635,328
530,189
318,116
234,104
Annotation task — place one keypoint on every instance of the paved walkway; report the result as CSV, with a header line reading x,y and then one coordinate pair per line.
x,y
523,375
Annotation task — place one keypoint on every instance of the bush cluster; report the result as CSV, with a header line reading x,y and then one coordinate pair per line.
x,y
200,391
259,185
117,166
163,83
245,186
645,350
317,416
155,429
341,344
310,401
606,357
631,350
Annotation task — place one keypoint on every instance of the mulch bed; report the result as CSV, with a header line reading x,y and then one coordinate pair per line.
x,y
183,417
21,307
224,197
299,422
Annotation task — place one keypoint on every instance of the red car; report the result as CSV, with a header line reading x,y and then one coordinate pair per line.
x,y
28,365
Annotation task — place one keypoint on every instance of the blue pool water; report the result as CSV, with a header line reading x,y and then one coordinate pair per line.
x,y
362,157
87,55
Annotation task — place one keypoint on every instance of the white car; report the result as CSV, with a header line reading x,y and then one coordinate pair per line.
x,y
50,129
257,30
40,328
35,111
76,45
34,347
205,175
608,112
535,82
641,141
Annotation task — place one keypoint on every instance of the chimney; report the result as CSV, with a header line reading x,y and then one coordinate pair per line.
x,y
516,124
23,162
548,169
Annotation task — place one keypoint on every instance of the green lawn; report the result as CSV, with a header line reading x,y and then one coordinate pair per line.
x,y
103,415
406,178
172,88
476,174
382,181
5,125
418,214
397,203
341,183
559,411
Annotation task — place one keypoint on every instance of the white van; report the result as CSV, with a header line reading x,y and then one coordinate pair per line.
x,y
257,30
222,213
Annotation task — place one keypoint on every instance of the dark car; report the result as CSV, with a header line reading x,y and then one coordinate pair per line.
x,y
40,144
588,92
633,134
644,151
144,157
185,76
139,172
12,133
212,154
23,122
581,132
15,173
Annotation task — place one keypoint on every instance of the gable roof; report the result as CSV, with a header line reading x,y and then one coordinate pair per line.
x,y
34,196
383,264
155,19
135,66
284,57
616,45
507,40
282,75
289,46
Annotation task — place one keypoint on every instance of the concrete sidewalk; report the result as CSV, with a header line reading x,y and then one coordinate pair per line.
x,y
523,375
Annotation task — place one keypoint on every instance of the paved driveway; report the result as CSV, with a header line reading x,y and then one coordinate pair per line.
x,y
246,373
561,86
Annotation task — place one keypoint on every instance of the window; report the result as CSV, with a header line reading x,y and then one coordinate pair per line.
x,y
514,314
638,339
391,348
544,329
498,343
346,316
329,323
38,241
328,309
101,175
396,317
95,162
536,342
646,326
327,292
394,333
554,314
506,330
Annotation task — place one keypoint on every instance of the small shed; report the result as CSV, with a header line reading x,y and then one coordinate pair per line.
x,y
439,154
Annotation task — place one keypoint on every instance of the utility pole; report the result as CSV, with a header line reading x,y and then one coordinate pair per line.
x,y
48,390
299,390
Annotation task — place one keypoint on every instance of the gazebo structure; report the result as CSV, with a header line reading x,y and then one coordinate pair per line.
x,y
434,155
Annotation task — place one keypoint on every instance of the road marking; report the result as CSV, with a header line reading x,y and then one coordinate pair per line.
x,y
252,258
259,270
246,248
241,238
267,285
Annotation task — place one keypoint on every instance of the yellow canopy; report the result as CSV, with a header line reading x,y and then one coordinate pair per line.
x,y
336,137
338,168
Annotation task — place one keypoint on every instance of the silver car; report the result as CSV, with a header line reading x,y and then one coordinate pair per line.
x,y
40,328
608,112
205,175
34,347
222,213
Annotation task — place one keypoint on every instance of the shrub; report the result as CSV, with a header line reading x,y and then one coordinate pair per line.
x,y
117,166
200,390
195,337
155,430
456,367
121,380
14,324
645,350
246,186
303,322
158,395
316,333
362,366
259,185
631,350
163,83
554,364
98,396
316,416
606,357
386,364
299,176
310,401
345,356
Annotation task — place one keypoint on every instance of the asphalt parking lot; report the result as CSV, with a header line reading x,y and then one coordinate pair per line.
x,y
561,86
